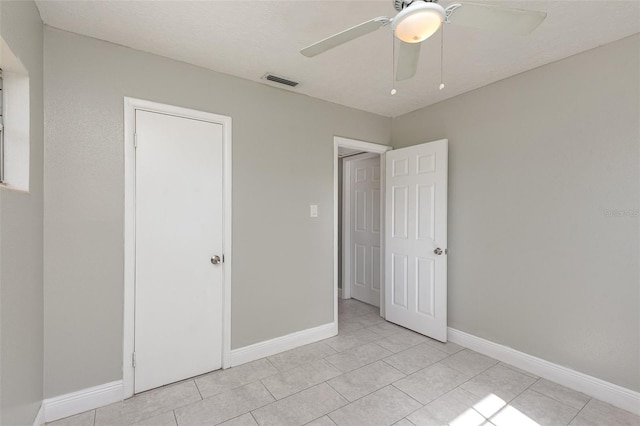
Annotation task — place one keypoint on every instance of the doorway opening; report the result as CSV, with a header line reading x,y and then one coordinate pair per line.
x,y
411,233
359,233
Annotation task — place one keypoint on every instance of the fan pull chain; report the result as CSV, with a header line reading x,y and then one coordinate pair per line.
x,y
441,56
393,63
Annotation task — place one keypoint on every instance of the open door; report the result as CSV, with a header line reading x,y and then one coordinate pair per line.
x,y
416,238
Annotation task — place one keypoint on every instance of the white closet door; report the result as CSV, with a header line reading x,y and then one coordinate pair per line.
x,y
178,290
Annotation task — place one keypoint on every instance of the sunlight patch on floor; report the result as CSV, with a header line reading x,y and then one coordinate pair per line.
x,y
489,405
510,416
468,418
496,410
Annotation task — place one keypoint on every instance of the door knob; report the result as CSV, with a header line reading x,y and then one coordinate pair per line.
x,y
215,260
438,251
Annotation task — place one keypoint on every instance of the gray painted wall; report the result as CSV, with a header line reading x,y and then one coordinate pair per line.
x,y
21,294
282,162
535,163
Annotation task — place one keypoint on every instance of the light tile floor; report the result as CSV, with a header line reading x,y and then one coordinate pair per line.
x,y
372,373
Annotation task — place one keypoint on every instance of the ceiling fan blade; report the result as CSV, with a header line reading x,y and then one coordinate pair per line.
x,y
408,57
496,18
345,36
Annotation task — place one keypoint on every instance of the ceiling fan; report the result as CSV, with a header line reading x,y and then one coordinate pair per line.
x,y
417,20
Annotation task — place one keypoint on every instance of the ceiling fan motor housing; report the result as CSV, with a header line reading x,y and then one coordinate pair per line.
x,y
401,4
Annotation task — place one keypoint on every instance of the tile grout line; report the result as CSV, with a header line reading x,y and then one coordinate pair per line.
x,y
427,366
273,365
357,399
233,418
580,411
338,392
249,411
298,392
460,385
473,375
319,417
526,389
301,390
198,389
373,391
466,381
285,397
512,399
232,388
557,400
422,405
362,366
482,415
518,370
272,396
404,375
417,409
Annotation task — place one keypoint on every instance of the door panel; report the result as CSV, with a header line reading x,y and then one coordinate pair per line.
x,y
364,236
416,215
399,280
375,260
400,211
426,215
425,286
360,260
178,291
375,227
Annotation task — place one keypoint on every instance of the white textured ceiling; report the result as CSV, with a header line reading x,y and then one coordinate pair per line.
x,y
249,38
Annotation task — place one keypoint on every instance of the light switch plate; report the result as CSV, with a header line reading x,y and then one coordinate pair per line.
x,y
313,211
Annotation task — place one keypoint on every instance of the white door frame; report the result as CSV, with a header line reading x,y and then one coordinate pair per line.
x,y
130,107
365,147
346,220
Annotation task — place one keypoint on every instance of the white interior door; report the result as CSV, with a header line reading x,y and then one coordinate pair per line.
x,y
416,238
178,290
364,232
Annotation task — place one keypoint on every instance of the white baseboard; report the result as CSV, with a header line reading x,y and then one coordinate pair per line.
x,y
39,420
282,343
608,392
80,401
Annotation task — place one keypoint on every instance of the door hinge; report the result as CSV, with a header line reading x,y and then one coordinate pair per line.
x,y
223,258
135,140
133,360
446,251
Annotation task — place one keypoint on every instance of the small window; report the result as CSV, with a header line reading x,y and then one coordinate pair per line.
x,y
14,121
1,132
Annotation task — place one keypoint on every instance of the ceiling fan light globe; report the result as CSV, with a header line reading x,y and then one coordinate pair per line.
x,y
418,21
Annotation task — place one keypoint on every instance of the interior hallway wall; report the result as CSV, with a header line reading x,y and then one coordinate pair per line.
x,y
282,163
21,293
544,192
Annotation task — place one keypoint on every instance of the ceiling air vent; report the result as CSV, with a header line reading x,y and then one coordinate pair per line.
x,y
280,80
